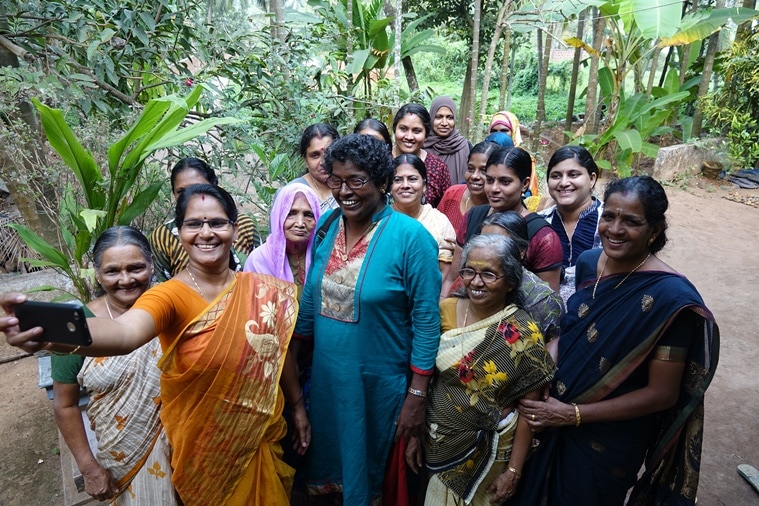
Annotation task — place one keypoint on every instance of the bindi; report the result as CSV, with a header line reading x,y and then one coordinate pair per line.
x,y
202,197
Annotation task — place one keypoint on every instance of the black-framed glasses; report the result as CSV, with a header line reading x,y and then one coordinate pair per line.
x,y
353,182
217,224
487,277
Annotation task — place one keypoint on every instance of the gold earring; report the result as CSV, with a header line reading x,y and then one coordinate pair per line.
x,y
651,240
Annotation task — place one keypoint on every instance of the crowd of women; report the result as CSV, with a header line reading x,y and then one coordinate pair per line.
x,y
397,339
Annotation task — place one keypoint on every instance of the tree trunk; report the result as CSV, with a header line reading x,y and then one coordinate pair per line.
x,y
408,67
575,73
474,63
706,75
744,29
398,30
540,115
592,109
511,73
464,119
685,52
505,69
488,69
27,196
652,71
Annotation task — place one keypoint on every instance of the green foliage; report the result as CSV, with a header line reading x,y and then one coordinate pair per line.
x,y
109,54
732,110
110,197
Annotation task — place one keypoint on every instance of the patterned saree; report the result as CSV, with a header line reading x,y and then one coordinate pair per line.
x,y
222,405
482,369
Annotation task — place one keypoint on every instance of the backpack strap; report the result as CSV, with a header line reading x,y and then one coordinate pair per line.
x,y
321,233
477,215
535,222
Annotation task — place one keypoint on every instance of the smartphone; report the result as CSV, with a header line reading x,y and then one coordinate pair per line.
x,y
62,323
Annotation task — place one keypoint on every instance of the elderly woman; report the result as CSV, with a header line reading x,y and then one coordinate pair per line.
x,y
572,175
411,126
544,305
169,256
491,355
407,189
370,306
132,465
286,254
314,142
638,349
445,140
224,337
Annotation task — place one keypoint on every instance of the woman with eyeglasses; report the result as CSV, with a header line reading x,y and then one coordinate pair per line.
x,y
491,355
226,372
168,255
369,305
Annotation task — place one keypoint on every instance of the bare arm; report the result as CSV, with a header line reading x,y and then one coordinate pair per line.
x,y
453,271
98,481
411,419
660,393
552,277
294,397
109,337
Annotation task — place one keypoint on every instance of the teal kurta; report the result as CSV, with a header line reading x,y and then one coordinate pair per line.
x,y
371,329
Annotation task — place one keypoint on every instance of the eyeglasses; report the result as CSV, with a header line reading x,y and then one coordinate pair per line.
x,y
354,182
487,277
217,225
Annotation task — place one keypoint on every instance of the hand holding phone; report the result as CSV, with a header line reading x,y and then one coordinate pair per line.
x,y
62,323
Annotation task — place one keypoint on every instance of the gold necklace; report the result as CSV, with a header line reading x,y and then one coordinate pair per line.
x,y
195,282
108,307
603,269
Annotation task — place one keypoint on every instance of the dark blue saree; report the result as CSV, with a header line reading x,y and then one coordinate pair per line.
x,y
605,346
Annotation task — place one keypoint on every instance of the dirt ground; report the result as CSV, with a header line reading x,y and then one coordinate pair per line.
x,y
712,240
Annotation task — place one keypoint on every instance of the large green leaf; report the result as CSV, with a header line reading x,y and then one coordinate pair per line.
x,y
188,133
153,112
657,18
38,244
606,82
65,143
629,139
631,106
91,217
140,202
705,26
661,102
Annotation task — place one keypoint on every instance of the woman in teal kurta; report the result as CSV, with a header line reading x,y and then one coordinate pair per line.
x,y
371,310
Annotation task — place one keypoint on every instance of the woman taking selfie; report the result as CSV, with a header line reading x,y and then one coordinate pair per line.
x,y
224,337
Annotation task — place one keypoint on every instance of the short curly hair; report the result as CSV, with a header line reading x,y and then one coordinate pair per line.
x,y
365,152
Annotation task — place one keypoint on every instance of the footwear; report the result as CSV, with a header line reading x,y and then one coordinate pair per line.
x,y
750,474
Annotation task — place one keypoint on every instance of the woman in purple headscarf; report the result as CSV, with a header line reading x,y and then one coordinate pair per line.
x,y
286,254
445,141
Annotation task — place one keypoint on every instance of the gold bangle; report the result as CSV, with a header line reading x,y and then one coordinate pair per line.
x,y
577,415
72,352
513,470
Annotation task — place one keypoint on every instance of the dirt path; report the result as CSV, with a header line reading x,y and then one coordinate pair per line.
x,y
713,241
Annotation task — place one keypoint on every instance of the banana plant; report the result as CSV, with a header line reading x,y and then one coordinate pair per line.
x,y
114,198
637,28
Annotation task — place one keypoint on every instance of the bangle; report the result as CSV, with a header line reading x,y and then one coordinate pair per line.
x,y
293,404
418,393
72,352
577,415
513,470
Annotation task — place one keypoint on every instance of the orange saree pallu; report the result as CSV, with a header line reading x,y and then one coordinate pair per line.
x,y
222,405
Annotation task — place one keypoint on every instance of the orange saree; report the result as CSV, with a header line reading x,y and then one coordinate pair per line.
x,y
222,405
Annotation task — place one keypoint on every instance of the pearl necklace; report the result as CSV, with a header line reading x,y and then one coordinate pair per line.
x,y
603,269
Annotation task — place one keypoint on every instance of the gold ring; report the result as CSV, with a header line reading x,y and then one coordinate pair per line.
x,y
533,418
